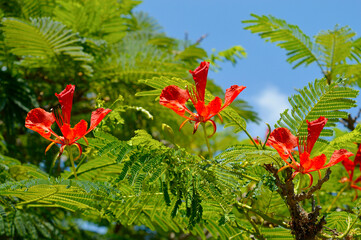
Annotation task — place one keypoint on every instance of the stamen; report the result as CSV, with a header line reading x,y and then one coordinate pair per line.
x,y
57,113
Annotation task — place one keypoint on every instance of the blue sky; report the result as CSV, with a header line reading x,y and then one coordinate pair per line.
x,y
265,72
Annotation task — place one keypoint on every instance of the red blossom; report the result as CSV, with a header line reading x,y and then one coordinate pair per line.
x,y
350,168
41,121
176,98
284,142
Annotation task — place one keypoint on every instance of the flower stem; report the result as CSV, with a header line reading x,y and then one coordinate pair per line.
x,y
70,153
251,138
335,199
207,141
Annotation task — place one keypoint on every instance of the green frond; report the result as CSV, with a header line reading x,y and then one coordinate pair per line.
x,y
340,221
36,8
277,233
94,18
245,155
139,59
335,45
300,49
315,100
142,22
232,54
346,141
42,41
191,54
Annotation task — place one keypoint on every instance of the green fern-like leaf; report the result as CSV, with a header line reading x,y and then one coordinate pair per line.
x,y
298,45
315,100
335,45
42,40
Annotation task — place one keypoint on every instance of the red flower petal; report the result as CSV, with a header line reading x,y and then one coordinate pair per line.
x,y
305,161
174,98
231,94
338,156
314,129
73,134
206,112
40,121
97,117
201,109
318,162
66,102
357,159
283,141
357,179
200,78
214,107
348,164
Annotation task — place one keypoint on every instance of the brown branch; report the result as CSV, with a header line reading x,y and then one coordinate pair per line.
x,y
304,225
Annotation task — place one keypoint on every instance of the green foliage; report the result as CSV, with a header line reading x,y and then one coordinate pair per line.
x,y
315,100
336,52
299,47
42,41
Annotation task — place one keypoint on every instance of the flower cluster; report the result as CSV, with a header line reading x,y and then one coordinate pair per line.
x,y
350,168
284,142
41,121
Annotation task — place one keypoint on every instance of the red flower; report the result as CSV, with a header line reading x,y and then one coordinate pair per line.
x,y
350,168
284,141
40,121
175,98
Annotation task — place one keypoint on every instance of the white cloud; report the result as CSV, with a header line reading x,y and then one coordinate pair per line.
x,y
270,103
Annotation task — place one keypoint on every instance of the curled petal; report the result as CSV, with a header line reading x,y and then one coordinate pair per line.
x,y
97,117
40,121
200,78
314,129
86,140
62,147
49,146
185,121
220,117
283,168
80,151
231,94
66,101
311,181
294,175
338,156
174,98
214,127
196,124
283,141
